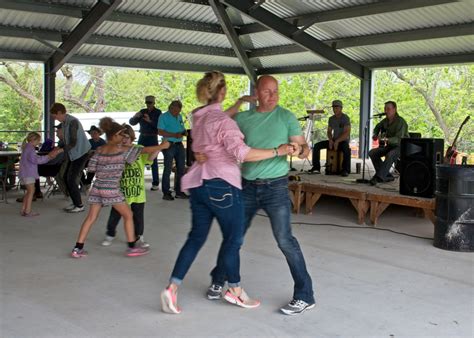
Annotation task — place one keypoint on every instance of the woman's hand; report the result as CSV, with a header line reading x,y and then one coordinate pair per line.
x,y
200,157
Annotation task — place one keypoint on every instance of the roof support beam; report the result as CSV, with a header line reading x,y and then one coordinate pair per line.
x,y
348,13
229,30
294,34
363,10
80,12
112,62
81,33
57,36
375,39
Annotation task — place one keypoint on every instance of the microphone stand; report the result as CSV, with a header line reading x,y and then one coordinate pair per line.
x,y
365,152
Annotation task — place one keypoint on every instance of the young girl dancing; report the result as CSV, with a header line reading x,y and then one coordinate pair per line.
x,y
29,169
132,185
108,164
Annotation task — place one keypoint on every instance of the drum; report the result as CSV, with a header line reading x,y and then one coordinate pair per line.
x,y
333,162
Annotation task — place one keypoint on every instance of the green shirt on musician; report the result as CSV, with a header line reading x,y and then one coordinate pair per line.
x,y
266,131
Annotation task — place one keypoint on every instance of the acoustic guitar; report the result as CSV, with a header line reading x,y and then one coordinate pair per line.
x,y
451,152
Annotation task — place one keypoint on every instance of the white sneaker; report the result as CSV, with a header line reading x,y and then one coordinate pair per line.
x,y
107,241
69,207
75,210
141,242
155,187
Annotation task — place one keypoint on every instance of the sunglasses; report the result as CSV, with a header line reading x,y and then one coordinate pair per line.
x,y
149,102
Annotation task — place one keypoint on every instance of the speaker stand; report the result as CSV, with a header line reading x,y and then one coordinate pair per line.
x,y
363,180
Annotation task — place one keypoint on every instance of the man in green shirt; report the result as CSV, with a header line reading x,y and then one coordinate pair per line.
x,y
265,186
389,132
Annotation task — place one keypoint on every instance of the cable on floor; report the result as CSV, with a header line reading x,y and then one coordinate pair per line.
x,y
355,227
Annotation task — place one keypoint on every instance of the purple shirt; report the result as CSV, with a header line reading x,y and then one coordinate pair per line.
x,y
29,162
218,136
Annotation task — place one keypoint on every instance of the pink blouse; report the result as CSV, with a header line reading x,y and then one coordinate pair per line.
x,y
218,136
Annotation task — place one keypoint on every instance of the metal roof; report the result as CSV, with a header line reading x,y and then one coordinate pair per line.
x,y
187,34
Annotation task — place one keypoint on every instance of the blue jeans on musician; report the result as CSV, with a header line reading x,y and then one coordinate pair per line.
x,y
147,141
177,153
214,199
272,196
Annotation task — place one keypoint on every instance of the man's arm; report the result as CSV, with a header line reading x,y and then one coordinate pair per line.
x,y
304,148
400,132
135,119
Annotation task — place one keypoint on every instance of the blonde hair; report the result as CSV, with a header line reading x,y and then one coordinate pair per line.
x,y
129,131
109,127
32,136
208,88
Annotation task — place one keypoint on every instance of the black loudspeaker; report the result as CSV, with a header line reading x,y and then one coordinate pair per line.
x,y
418,160
189,151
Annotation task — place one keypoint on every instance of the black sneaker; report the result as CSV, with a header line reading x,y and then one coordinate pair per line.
x,y
168,197
344,173
181,195
214,292
295,307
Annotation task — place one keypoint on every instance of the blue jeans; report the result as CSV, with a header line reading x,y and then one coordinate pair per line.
x,y
174,152
146,141
215,198
272,196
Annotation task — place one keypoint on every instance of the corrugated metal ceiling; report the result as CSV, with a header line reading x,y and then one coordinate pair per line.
x,y
433,16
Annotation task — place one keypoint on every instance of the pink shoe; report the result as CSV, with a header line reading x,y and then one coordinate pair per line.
x,y
78,253
169,302
30,214
137,251
243,300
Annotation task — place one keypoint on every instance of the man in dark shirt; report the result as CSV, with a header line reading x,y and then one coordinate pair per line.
x,y
148,120
338,132
389,132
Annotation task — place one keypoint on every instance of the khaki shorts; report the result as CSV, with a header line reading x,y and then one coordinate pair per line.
x,y
27,180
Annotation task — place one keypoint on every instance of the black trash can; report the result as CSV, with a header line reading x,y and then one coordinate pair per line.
x,y
454,228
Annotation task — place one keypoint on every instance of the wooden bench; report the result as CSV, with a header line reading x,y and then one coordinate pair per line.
x,y
380,202
358,198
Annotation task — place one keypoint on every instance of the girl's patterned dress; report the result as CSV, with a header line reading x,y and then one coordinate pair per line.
x,y
108,172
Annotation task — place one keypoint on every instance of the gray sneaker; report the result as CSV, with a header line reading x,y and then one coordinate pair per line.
x,y
142,243
69,207
295,307
214,292
75,210
107,241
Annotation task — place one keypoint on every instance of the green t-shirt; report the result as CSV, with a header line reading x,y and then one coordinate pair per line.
x,y
267,131
132,182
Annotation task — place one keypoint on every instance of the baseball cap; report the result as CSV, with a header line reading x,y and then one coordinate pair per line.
x,y
337,103
150,98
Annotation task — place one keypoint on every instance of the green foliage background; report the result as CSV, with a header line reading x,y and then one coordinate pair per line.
x,y
125,89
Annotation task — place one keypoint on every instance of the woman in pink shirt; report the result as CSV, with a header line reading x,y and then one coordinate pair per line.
x,y
215,188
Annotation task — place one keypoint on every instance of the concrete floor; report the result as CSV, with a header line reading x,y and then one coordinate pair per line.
x,y
367,282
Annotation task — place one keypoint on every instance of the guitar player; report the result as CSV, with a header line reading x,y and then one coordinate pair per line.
x,y
395,128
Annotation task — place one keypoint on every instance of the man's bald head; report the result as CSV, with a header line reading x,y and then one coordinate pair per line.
x,y
266,89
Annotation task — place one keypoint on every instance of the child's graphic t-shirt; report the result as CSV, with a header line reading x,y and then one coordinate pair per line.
x,y
132,182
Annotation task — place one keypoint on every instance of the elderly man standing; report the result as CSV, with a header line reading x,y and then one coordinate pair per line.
x,y
148,120
171,127
389,132
338,132
265,186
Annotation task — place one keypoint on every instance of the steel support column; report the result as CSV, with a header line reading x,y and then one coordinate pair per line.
x,y
366,99
49,92
231,34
